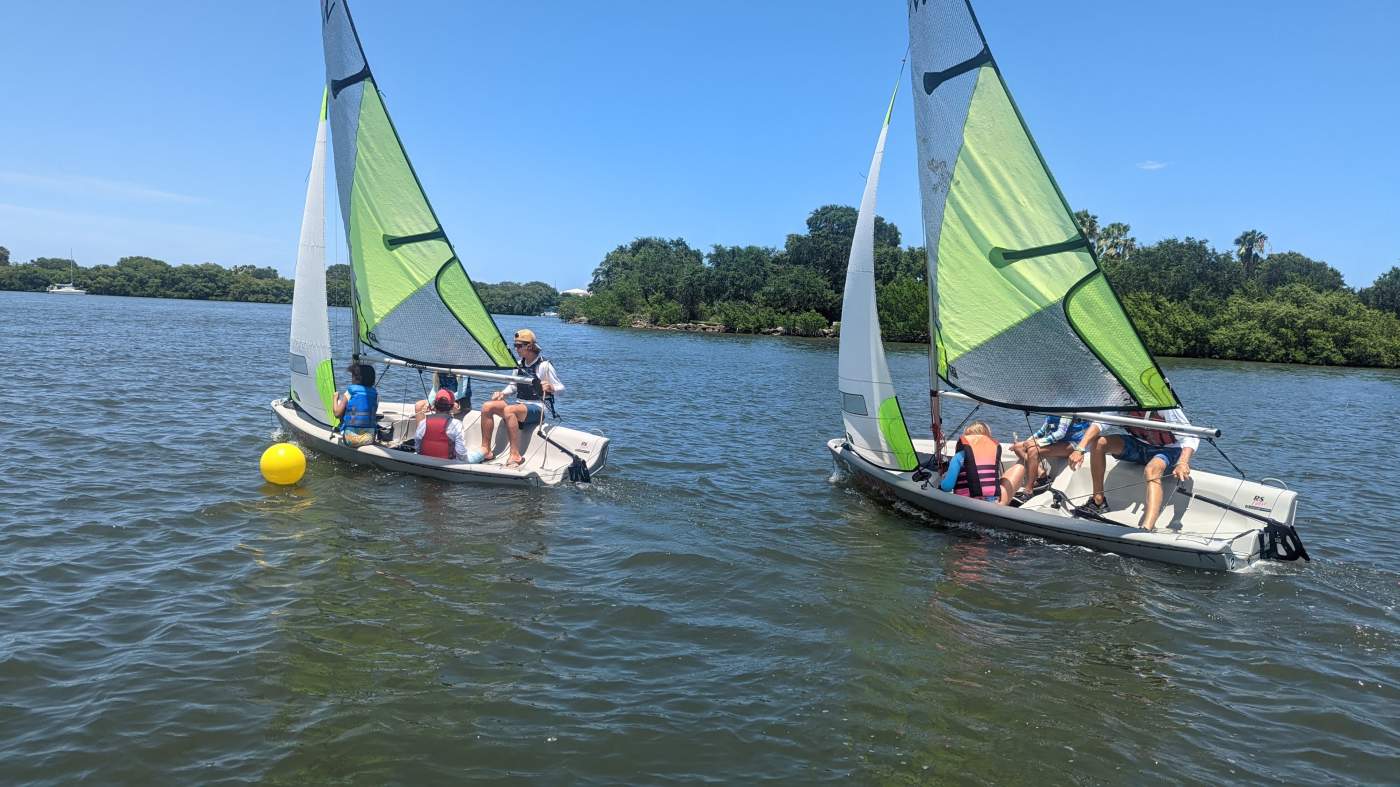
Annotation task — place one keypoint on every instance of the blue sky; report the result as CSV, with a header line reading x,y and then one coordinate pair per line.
x,y
547,133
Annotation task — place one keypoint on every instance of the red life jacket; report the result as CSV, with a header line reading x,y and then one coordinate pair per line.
x,y
981,467
1153,437
435,441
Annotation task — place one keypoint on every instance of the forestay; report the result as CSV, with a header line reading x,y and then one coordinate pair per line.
x,y
873,420
1023,316
313,381
413,300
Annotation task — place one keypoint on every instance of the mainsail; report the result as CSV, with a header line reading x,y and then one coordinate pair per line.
x,y
313,381
1023,315
874,423
412,297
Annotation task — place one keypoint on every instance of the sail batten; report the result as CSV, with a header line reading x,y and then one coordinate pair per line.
x,y
412,296
1022,315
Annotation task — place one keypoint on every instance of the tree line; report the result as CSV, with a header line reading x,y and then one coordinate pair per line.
x,y
1186,298
152,278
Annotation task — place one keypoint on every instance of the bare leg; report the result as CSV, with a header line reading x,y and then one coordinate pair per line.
x,y
1030,466
512,417
1009,482
1153,506
488,425
1098,461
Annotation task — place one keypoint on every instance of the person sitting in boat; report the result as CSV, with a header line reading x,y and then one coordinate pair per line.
x,y
461,394
358,406
1057,436
529,405
440,434
1157,450
975,470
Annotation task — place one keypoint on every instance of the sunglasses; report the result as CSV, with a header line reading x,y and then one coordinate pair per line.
x,y
522,344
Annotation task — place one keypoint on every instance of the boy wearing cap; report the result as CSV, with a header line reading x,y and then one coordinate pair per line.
x,y
529,405
440,434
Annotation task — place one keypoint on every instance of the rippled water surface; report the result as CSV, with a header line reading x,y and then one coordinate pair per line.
x,y
716,606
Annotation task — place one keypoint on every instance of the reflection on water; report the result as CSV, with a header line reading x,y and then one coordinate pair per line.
x,y
717,606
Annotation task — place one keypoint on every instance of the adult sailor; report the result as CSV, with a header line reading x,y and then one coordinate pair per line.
x,y
1157,450
529,405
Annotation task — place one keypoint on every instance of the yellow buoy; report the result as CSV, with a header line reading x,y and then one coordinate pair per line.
x,y
283,463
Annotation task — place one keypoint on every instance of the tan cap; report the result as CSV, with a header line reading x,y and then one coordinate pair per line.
x,y
525,335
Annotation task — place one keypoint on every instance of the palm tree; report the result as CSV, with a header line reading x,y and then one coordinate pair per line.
x,y
1248,246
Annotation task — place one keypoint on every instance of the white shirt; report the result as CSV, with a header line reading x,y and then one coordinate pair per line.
x,y
545,371
455,433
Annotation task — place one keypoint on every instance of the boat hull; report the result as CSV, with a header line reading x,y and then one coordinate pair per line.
x,y
545,463
1190,532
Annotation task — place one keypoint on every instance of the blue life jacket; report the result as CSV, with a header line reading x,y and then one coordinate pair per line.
x,y
361,409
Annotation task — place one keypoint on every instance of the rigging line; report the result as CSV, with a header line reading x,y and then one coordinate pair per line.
x,y
1213,444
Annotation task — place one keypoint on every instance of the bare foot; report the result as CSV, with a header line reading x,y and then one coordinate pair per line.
x,y
515,461
486,454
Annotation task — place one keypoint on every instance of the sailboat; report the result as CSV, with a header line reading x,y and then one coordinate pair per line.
x,y
70,288
413,305
1023,318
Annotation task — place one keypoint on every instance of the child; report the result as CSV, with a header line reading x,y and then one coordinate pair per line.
x,y
975,470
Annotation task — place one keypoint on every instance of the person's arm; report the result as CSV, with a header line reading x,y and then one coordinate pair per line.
x,y
1189,444
1080,449
504,393
341,399
551,380
458,435
422,428
950,476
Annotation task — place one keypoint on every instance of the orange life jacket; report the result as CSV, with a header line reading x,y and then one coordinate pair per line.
x,y
1153,437
981,466
435,441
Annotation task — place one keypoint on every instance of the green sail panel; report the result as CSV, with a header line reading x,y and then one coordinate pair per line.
x,y
413,299
1023,316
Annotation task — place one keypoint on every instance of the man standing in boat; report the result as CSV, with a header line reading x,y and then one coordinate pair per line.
x,y
529,405
1158,450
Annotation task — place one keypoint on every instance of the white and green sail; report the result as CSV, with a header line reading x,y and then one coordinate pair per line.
x,y
869,408
413,300
313,381
1022,313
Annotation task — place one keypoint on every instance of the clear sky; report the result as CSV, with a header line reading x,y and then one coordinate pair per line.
x,y
548,132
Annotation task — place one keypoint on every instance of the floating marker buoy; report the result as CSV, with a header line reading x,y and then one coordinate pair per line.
x,y
282,463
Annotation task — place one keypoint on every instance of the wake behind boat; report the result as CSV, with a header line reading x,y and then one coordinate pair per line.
x,y
1023,318
413,305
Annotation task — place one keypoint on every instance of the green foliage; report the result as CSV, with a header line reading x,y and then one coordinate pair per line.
x,y
338,285
808,323
510,297
1384,293
826,248
1299,324
1168,327
736,272
903,308
795,290
649,267
1178,270
4,256
1290,267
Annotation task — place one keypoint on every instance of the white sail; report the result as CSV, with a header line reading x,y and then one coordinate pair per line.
x,y
313,380
874,423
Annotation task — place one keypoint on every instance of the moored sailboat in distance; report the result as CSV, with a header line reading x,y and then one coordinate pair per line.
x,y
70,288
1022,317
413,305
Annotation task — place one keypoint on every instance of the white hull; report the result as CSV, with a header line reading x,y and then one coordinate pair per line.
x,y
1190,532
544,463
66,290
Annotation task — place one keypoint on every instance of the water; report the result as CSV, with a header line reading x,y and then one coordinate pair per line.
x,y
714,607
